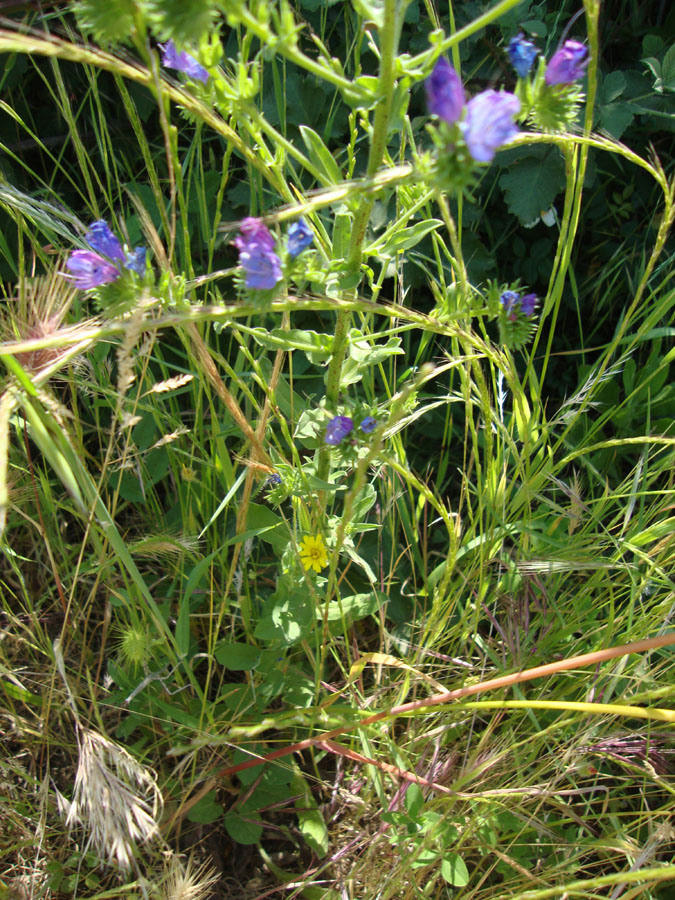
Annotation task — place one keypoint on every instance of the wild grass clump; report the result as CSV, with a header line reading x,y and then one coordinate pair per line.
x,y
336,452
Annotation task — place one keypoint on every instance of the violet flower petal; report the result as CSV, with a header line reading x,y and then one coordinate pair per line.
x,y
101,239
567,64
489,123
337,429
445,94
89,270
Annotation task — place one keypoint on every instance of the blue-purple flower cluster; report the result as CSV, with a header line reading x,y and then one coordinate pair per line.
x,y
257,252
257,256
104,263
488,122
566,66
514,304
341,427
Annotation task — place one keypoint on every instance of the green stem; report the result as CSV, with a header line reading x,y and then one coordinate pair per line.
x,y
576,161
456,245
388,42
290,51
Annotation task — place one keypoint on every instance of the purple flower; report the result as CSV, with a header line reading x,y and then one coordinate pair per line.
x,y
445,94
300,236
135,260
256,255
263,270
101,239
513,304
185,63
567,64
90,270
528,303
337,429
489,123
508,300
522,54
368,425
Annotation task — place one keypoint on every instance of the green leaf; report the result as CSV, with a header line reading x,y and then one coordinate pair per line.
x,y
652,45
267,525
403,239
613,86
364,501
535,27
287,615
183,21
355,607
655,67
236,656
454,870
615,118
206,810
532,184
414,800
318,347
310,821
321,156
426,857
363,354
241,830
668,69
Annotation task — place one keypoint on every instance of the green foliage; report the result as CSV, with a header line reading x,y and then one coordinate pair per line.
x,y
163,457
531,181
110,22
183,21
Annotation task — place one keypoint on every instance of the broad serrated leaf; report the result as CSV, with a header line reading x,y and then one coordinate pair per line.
x,y
532,184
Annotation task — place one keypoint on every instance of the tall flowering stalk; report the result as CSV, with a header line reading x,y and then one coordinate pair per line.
x,y
389,33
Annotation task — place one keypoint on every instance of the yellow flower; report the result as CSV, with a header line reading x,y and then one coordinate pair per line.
x,y
313,553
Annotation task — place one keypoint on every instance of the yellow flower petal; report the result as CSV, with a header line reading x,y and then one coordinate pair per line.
x,y
313,553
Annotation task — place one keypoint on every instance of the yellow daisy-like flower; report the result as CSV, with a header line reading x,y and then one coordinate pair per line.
x,y
313,553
